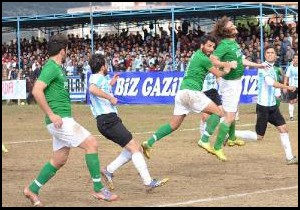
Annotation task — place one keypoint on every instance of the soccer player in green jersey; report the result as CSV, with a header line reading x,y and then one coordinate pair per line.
x,y
190,97
231,84
51,93
279,76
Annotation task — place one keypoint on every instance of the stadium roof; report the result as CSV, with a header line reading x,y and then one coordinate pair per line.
x,y
204,11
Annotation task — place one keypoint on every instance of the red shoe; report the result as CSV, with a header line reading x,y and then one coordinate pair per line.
x,y
105,195
34,198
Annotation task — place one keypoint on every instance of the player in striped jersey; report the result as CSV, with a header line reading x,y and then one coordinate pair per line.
x,y
103,106
266,108
291,75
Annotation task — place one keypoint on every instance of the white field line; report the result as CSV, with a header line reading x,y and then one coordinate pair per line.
x,y
190,201
136,133
226,197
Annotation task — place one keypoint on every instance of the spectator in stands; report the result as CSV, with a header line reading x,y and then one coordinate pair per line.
x,y
289,55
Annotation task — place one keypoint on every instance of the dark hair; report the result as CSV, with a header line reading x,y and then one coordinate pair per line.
x,y
56,44
206,38
270,47
96,62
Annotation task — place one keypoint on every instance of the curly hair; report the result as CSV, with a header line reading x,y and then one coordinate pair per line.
x,y
220,29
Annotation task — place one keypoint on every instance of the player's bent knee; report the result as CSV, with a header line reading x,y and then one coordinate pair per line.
x,y
133,146
58,163
91,143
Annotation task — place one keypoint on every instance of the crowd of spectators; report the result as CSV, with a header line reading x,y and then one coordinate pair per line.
x,y
144,50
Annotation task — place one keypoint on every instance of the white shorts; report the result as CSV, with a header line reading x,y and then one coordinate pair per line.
x,y
190,101
71,134
230,91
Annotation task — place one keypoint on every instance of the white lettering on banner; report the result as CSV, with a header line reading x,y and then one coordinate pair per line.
x,y
176,84
156,89
167,82
14,89
147,89
169,87
127,86
250,85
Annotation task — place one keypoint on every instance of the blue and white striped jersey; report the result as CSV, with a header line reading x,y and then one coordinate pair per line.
x,y
99,105
292,73
210,82
266,93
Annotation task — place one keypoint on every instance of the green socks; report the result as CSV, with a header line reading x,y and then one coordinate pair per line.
x,y
93,164
47,172
223,130
232,131
162,131
211,125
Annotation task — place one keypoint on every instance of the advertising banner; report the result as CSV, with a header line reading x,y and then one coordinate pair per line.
x,y
161,87
13,89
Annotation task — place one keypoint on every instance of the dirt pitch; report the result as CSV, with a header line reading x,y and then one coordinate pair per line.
x,y
255,175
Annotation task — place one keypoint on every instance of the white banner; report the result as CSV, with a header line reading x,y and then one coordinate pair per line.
x,y
13,89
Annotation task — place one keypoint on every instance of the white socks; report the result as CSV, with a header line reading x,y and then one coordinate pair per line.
x,y
140,164
222,119
123,158
291,110
247,135
137,160
285,141
237,115
202,127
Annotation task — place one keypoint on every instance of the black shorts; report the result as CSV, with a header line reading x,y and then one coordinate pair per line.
x,y
267,114
111,126
214,96
292,95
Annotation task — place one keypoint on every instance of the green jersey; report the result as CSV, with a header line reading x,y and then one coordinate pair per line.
x,y
56,92
229,50
278,73
278,79
197,70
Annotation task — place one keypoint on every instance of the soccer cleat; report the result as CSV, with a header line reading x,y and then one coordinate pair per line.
x,y
104,195
293,161
4,149
108,178
156,183
146,149
206,146
34,198
237,141
220,154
